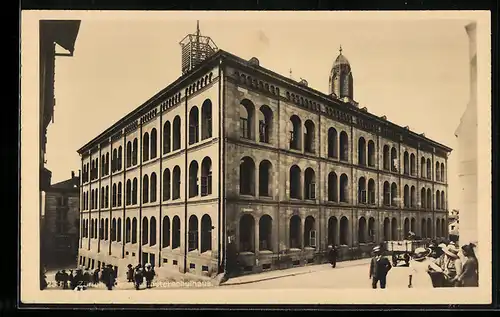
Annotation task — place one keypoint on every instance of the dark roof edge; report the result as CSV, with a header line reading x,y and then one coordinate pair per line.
x,y
221,53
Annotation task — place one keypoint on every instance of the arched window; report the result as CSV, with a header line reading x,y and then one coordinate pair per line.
x,y
406,163
295,133
429,168
362,190
438,227
344,146
442,173
176,232
166,184
371,229
309,136
265,233
265,178
429,198
394,229
106,199
295,232
120,158
134,152
386,157
176,180
394,194
344,189
193,179
113,202
438,200
206,119
206,176
119,202
106,230
394,160
413,197
444,231
113,229
412,225
422,167
265,123
332,143
310,232
387,194
145,189
423,198
423,229
152,230
309,184
165,232
361,151
344,231
103,197
332,231
107,164
119,230
134,191
247,110
332,187
128,230
406,228
362,230
145,231
406,196
438,173
154,143
129,154
166,137
153,187
371,153
371,192
194,130
413,168
145,147
247,176
206,233
443,201
429,228
295,182
247,233
176,140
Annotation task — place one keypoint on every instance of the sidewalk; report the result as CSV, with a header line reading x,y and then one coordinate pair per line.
x,y
253,278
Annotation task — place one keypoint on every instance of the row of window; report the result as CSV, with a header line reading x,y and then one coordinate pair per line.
x,y
303,137
150,141
149,187
306,189
171,231
338,231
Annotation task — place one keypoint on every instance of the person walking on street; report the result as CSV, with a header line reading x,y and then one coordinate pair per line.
x,y
149,274
130,273
58,278
332,255
469,276
452,266
379,268
109,277
138,276
64,279
420,265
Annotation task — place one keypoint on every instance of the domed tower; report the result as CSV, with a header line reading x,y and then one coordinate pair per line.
x,y
341,82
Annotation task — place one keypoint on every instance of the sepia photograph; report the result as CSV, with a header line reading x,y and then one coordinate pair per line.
x,y
321,157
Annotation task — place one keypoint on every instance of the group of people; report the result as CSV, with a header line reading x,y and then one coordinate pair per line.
x,y
81,278
444,266
435,266
138,274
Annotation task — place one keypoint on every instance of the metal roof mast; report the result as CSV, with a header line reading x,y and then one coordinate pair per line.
x,y
195,49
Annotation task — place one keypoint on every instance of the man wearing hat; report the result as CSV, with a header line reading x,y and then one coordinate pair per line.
x,y
419,268
379,267
452,265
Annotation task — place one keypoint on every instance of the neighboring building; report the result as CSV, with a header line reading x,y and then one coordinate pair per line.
x,y
232,151
52,32
60,234
468,151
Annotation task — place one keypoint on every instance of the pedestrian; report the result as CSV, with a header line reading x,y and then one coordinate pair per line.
x,y
95,280
379,268
109,277
58,278
138,276
419,268
130,273
43,280
149,274
436,272
64,279
469,277
86,277
332,255
452,266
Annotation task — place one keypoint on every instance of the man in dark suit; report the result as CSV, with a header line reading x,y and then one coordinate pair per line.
x,y
379,267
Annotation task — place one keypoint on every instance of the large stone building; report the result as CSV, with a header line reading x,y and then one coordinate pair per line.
x,y
61,222
232,151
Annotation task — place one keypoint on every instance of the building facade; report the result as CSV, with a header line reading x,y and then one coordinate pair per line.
x,y
232,151
61,222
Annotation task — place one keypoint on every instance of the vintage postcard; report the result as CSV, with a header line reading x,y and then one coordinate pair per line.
x,y
255,157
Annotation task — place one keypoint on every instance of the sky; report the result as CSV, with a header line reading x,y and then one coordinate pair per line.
x,y
414,72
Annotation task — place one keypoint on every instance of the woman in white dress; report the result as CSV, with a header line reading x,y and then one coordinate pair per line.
x,y
419,268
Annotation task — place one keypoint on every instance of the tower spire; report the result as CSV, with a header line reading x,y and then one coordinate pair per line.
x,y
340,49
198,27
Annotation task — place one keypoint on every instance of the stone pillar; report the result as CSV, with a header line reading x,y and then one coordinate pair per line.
x,y
256,236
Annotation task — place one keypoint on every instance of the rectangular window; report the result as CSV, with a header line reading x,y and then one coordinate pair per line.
x,y
263,132
312,238
193,240
312,191
362,197
244,128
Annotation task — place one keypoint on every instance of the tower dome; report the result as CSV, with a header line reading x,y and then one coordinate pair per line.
x,y
341,81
